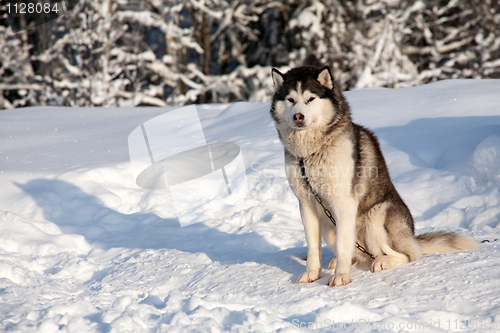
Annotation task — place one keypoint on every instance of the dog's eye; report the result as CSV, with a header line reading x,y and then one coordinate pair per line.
x,y
310,99
291,100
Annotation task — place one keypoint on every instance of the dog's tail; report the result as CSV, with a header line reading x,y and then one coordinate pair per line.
x,y
445,242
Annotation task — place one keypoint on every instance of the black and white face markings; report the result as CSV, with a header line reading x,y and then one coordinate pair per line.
x,y
304,97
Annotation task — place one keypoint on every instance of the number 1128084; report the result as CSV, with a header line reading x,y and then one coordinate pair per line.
x,y
31,8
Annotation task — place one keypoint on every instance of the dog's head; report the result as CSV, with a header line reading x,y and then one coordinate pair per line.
x,y
305,97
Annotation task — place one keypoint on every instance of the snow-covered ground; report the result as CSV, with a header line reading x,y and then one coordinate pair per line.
x,y
82,248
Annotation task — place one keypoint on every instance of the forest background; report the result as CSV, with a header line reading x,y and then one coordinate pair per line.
x,y
177,52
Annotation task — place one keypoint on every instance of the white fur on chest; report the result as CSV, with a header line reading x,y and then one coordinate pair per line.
x,y
330,172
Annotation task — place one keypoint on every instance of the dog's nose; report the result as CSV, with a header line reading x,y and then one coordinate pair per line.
x,y
298,117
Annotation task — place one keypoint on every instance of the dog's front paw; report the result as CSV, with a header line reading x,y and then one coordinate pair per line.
x,y
339,280
308,276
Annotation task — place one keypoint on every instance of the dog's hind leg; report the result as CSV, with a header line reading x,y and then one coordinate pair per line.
x,y
390,259
390,238
385,262
333,262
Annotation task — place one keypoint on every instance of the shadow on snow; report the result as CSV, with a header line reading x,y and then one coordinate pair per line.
x,y
76,212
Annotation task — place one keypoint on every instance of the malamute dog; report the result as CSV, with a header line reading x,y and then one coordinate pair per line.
x,y
341,162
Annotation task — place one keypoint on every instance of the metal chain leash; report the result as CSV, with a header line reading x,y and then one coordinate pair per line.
x,y
327,212
489,241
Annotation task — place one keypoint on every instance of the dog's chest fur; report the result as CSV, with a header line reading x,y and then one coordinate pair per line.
x,y
330,170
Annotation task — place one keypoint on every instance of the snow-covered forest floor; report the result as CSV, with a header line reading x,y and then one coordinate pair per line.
x,y
82,248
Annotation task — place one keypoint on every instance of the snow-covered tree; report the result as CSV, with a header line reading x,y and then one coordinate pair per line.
x,y
206,45
18,86
454,39
176,52
100,59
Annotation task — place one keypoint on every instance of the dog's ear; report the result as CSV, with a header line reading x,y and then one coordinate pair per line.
x,y
278,78
325,78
